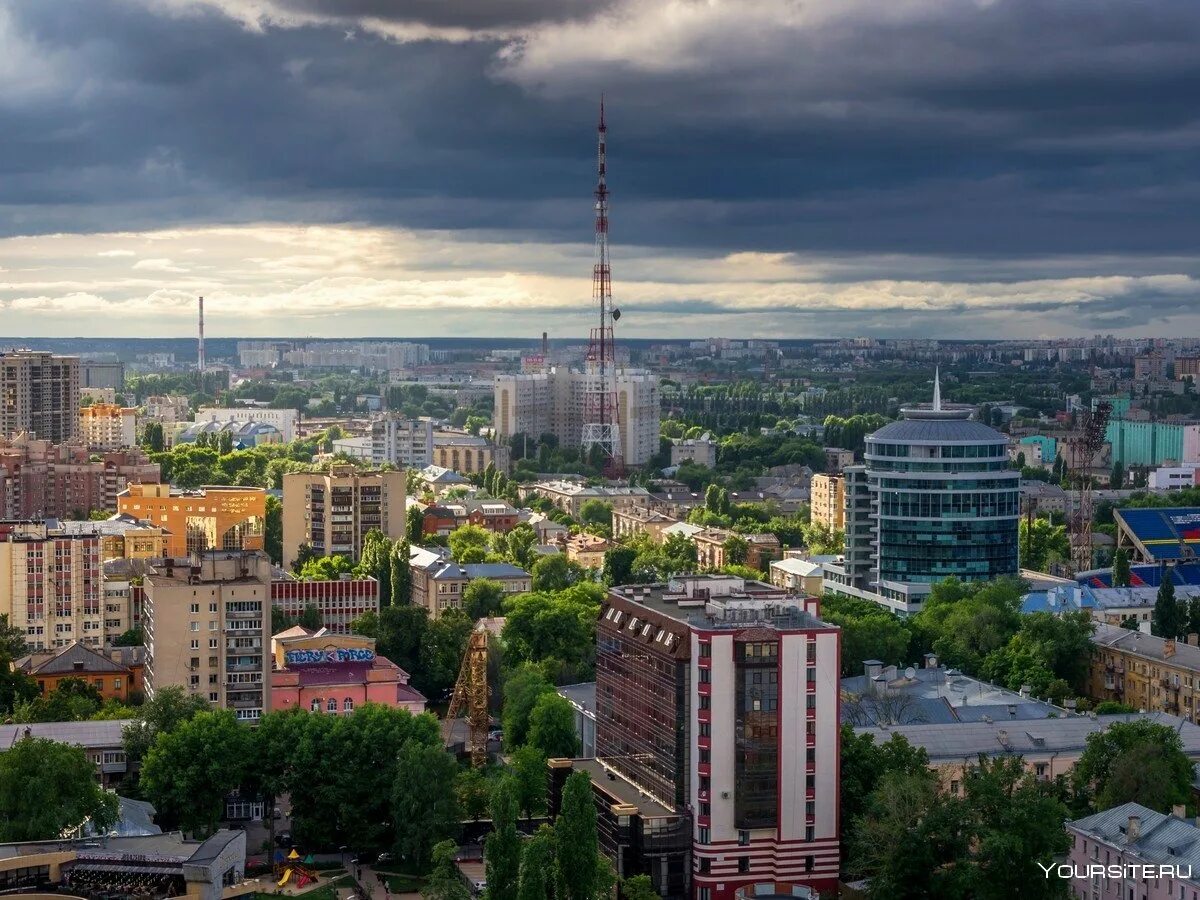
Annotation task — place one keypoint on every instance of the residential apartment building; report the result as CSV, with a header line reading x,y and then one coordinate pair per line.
x,y
207,621
51,587
285,420
701,451
200,519
837,459
438,582
827,502
492,515
102,374
405,443
717,708
167,408
640,520
39,395
106,426
332,512
554,402
587,550
1146,672
569,496
468,454
1112,848
102,741
39,479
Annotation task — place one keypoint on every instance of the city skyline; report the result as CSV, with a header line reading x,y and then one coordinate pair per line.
x,y
991,169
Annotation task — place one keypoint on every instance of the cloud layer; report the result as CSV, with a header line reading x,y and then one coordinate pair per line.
x,y
841,165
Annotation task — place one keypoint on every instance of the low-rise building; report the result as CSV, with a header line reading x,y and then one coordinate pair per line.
x,y
640,520
710,547
102,740
328,673
115,674
284,420
800,575
587,550
492,515
242,434
569,496
701,451
1113,849
1047,747
438,582
1145,671
468,454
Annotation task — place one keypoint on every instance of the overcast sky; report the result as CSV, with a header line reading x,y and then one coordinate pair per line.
x,y
953,168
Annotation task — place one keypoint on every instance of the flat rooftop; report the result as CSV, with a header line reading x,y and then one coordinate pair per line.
x,y
621,790
722,601
934,696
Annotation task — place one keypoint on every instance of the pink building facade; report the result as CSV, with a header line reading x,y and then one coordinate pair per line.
x,y
1130,851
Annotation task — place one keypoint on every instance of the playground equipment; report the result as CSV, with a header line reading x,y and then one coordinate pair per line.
x,y
293,866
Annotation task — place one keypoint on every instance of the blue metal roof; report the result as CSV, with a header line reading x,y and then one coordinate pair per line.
x,y
1164,532
938,431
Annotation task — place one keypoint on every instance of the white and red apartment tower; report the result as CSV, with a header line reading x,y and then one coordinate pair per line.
x,y
765,755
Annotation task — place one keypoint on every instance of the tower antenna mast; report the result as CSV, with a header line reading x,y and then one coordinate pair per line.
x,y
200,346
601,420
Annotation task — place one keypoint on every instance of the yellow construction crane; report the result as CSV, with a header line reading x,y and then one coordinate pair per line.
x,y
471,693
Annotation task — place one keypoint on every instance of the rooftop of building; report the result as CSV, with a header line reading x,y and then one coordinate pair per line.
x,y
1160,839
168,847
74,659
105,733
941,431
802,568
439,475
930,696
722,601
452,571
575,489
582,695
609,782
224,566
113,526
964,741
1148,646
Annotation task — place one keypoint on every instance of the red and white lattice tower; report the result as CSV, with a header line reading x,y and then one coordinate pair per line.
x,y
601,426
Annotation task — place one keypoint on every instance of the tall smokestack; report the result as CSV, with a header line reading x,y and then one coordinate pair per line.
x,y
200,348
545,346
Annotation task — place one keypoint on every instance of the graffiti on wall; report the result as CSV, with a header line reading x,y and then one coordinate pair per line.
x,y
329,655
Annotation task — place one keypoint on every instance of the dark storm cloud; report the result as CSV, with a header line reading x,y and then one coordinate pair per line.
x,y
994,132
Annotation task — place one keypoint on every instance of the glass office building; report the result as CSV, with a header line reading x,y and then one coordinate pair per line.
x,y
944,501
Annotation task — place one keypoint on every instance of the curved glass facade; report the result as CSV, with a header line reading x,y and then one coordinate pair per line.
x,y
945,502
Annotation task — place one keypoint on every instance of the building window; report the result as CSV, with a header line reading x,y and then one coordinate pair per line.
x,y
331,706
743,865
743,837
705,835
316,705
705,865
347,705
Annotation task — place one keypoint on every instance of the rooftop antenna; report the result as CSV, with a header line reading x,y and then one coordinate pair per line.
x,y
937,389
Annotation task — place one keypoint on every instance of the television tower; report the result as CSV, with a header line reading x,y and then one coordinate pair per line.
x,y
200,346
601,424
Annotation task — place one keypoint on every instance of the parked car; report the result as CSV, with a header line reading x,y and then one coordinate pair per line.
x,y
384,858
283,839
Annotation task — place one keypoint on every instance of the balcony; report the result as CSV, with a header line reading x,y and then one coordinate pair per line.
x,y
704,690
704,769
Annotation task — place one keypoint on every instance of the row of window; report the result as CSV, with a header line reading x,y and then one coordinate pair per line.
x,y
331,705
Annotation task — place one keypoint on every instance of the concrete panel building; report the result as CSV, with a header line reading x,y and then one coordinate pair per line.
x,y
39,395
106,426
39,479
207,620
332,512
827,502
405,443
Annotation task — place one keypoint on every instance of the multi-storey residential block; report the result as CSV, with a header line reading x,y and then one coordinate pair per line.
x,y
827,502
1145,671
405,443
332,512
99,373
640,520
554,402
207,518
468,454
837,459
717,707
207,621
39,479
702,451
167,409
339,602
39,395
106,426
51,587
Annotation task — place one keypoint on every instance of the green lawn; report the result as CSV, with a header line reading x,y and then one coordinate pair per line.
x,y
402,881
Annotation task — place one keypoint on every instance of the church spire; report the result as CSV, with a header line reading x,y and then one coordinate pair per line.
x,y
937,389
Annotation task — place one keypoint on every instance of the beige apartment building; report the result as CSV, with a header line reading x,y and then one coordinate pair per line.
x,y
106,426
827,502
332,512
52,587
640,520
208,629
39,395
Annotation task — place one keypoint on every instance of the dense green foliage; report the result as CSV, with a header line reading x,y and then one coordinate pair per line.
x,y
47,787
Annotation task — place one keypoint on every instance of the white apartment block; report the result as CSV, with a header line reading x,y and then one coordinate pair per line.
x,y
283,419
106,426
405,443
554,402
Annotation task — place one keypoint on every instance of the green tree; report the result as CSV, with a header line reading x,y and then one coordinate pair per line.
x,y
1165,619
133,637
577,840
12,640
326,568
618,565
1138,761
424,802
536,881
1042,543
552,727
561,626
1120,568
442,648
47,787
469,544
152,437
72,700
375,560
523,686
415,525
868,632
471,787
188,771
163,713
444,881
639,887
894,843
502,849
864,763
528,765
556,573
596,512
401,574
483,597
736,549
310,617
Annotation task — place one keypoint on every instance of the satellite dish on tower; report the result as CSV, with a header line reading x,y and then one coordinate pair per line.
x,y
616,314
